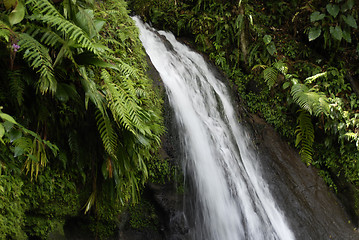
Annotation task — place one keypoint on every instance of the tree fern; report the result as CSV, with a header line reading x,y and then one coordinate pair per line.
x,y
39,59
315,103
305,136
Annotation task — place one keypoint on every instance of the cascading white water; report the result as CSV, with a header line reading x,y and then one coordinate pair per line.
x,y
233,200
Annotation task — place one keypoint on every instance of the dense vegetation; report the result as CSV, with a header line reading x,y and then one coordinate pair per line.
x,y
80,123
295,63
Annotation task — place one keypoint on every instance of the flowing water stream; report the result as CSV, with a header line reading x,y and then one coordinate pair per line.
x,y
232,199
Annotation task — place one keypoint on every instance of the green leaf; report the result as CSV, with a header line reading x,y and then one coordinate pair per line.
x,y
316,16
348,5
104,170
347,37
61,93
99,24
8,118
314,33
350,20
17,15
88,58
267,39
336,32
18,151
286,85
271,48
15,134
310,79
2,131
333,9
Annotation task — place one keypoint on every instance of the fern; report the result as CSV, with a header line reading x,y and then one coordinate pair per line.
x,y
315,103
91,91
305,137
47,13
107,134
122,102
270,75
281,67
5,31
17,86
39,59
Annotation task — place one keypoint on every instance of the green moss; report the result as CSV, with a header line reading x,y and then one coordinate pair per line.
x,y
50,200
143,216
12,207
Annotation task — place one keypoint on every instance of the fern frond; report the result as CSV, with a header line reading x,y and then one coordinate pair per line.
x,y
311,79
5,31
107,134
315,103
91,91
127,70
123,104
17,86
270,75
39,59
281,67
305,136
47,13
50,38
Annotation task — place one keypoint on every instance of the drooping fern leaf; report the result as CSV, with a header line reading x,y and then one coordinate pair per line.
x,y
38,57
315,103
47,13
305,136
17,86
107,134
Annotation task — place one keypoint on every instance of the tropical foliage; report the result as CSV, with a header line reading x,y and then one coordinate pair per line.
x,y
293,62
79,118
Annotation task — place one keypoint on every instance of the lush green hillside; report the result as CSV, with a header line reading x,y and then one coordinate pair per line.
x,y
80,123
295,63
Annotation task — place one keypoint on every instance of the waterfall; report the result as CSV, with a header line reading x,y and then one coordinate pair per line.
x,y
232,199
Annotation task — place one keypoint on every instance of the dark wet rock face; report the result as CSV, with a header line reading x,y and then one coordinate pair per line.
x,y
312,209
